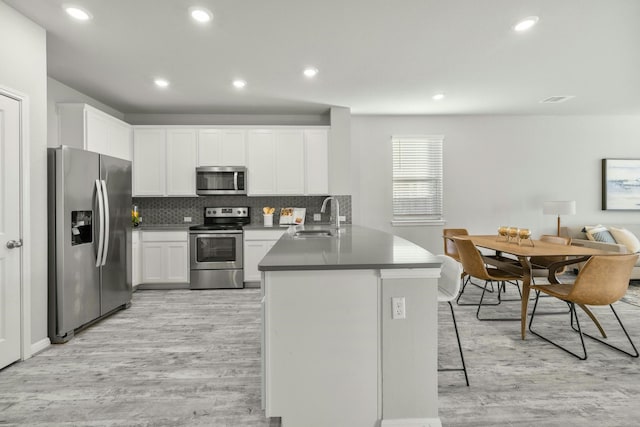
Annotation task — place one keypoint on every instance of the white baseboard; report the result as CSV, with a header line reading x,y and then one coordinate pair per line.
x,y
412,422
37,347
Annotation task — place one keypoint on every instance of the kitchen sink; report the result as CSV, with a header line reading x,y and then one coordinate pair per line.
x,y
304,234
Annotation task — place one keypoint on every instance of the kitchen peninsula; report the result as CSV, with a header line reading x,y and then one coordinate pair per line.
x,y
349,329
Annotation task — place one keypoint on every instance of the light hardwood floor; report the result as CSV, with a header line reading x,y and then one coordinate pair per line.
x,y
182,358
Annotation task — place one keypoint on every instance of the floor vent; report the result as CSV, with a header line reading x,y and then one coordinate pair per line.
x,y
556,99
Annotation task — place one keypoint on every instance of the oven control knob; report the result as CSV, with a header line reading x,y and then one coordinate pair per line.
x,y
239,211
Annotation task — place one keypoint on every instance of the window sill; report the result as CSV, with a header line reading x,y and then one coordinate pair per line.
x,y
413,222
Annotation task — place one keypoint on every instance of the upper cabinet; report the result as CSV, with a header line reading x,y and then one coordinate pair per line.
x,y
287,162
164,162
221,147
279,161
85,127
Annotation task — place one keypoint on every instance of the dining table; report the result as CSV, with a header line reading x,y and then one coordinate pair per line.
x,y
521,252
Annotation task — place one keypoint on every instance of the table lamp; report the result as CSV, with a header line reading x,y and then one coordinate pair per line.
x,y
565,207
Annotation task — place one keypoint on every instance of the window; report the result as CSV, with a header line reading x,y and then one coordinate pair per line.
x,y
417,179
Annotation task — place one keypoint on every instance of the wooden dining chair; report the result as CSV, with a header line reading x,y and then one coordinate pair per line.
x,y
474,265
603,280
451,250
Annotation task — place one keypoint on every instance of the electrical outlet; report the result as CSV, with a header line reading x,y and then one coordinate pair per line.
x,y
187,219
342,218
317,217
398,310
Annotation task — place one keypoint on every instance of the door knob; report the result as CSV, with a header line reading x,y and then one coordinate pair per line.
x,y
12,244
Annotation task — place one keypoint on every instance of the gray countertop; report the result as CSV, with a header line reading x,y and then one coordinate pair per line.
x,y
356,248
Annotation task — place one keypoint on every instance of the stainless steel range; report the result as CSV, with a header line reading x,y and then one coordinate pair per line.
x,y
216,248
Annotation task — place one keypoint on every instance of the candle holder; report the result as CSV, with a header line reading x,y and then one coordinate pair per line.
x,y
512,234
502,233
524,234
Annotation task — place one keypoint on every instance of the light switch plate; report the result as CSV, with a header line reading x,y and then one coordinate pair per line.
x,y
317,217
187,219
342,218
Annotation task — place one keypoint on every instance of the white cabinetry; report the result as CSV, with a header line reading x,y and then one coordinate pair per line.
x,y
290,163
256,245
85,127
136,259
316,162
287,162
149,162
164,162
221,147
181,162
165,257
261,162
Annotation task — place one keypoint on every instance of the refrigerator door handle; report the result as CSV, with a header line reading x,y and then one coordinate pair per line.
x,y
107,221
101,220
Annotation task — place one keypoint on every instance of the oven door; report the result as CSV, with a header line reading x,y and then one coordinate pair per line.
x,y
216,251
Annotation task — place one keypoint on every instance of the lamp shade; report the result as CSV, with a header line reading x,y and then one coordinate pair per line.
x,y
565,207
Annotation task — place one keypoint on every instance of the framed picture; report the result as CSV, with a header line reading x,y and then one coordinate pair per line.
x,y
621,184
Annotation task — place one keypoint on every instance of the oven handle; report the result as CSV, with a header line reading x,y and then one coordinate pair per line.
x,y
235,181
202,233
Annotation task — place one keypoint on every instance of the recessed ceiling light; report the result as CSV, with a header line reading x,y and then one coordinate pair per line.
x,y
77,12
200,14
161,82
239,84
526,23
438,96
310,72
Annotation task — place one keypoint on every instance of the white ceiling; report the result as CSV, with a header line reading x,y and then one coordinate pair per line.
x,y
374,56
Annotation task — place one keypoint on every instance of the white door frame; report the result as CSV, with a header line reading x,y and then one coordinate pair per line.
x,y
25,222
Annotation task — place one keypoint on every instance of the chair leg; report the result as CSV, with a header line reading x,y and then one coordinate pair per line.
x,y
464,286
635,350
573,313
500,287
464,366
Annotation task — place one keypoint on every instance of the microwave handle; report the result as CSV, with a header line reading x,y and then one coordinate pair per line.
x,y
235,181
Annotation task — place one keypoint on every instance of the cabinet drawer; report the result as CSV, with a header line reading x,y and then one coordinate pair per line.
x,y
164,236
274,234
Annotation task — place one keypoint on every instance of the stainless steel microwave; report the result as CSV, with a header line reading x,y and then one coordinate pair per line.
x,y
212,180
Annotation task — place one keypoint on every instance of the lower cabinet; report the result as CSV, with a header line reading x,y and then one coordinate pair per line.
x,y
256,245
165,257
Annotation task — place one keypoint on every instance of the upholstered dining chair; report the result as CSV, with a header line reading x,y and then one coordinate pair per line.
x,y
448,288
603,280
474,265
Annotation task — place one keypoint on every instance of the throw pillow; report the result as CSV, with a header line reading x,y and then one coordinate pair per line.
x,y
627,238
599,233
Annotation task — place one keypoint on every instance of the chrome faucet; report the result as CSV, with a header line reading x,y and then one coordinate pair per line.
x,y
324,207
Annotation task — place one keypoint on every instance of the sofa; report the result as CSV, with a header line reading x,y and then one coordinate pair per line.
x,y
579,238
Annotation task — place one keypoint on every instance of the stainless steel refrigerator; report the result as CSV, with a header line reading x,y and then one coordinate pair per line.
x,y
89,207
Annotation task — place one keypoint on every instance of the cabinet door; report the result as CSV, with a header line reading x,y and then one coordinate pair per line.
x,y
316,162
209,147
97,132
153,262
233,147
119,140
176,260
261,162
149,162
181,162
290,162
254,251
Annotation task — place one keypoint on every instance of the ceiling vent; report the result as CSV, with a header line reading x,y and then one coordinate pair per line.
x,y
556,99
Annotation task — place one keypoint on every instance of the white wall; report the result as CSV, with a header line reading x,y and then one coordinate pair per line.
x,y
59,93
24,69
498,170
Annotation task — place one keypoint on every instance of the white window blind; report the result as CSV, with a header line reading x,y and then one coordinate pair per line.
x,y
417,178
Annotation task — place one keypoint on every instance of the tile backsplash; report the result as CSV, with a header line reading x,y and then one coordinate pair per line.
x,y
172,210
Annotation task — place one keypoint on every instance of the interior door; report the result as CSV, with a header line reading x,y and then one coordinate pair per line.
x,y
10,232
